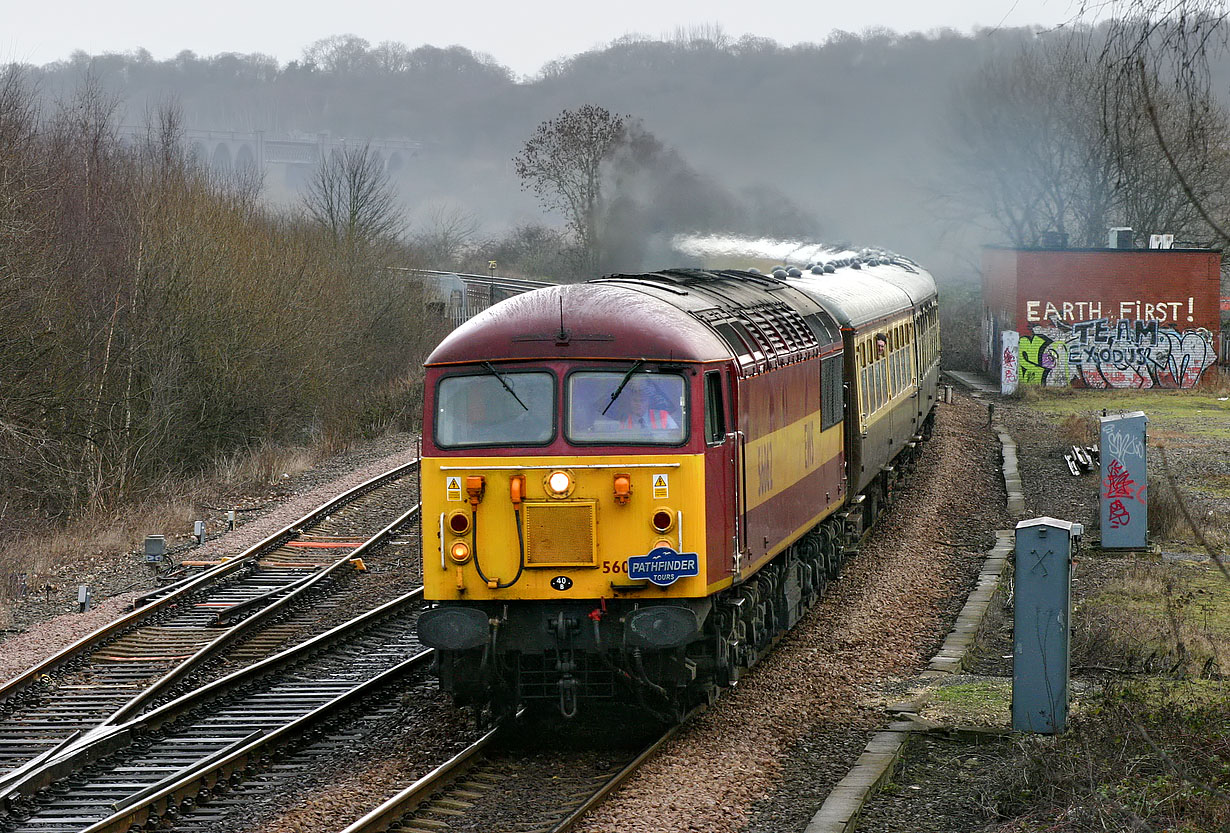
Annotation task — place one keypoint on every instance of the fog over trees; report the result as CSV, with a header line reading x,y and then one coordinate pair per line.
x,y
872,138
840,141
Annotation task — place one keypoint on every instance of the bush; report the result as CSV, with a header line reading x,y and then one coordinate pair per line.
x,y
154,317
1147,755
1078,429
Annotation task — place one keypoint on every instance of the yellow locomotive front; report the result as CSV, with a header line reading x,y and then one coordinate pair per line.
x,y
524,527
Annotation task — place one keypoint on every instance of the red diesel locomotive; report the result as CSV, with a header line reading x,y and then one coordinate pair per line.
x,y
631,486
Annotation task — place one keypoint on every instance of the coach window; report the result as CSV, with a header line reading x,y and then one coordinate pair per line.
x,y
892,363
830,392
862,378
881,381
495,408
715,412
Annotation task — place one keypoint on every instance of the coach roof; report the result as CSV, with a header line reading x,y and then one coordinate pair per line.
x,y
856,297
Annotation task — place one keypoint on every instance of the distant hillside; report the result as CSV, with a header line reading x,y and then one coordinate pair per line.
x,y
853,131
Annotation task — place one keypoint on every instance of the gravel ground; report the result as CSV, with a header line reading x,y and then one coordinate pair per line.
x,y
48,628
944,784
766,755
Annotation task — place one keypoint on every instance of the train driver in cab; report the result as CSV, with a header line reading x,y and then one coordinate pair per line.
x,y
643,410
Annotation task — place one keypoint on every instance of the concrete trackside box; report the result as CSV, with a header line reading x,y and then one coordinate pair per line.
x,y
1102,318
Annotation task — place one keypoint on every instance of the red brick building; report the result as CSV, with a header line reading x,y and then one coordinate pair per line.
x,y
1102,317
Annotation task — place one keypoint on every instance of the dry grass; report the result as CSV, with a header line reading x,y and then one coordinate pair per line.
x,y
1165,516
44,559
262,465
1156,617
1079,429
1143,755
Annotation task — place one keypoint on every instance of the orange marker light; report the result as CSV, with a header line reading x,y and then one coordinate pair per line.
x,y
459,552
623,489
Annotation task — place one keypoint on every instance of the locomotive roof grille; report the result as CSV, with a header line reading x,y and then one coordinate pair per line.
x,y
769,334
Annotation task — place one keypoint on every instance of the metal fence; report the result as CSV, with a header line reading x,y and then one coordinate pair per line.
x,y
458,296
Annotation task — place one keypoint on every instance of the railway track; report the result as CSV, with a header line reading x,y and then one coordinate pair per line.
x,y
158,766
239,609
507,781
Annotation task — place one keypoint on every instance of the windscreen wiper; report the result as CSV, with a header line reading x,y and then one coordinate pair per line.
x,y
497,375
622,384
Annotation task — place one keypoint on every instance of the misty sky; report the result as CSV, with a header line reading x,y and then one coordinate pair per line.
x,y
522,35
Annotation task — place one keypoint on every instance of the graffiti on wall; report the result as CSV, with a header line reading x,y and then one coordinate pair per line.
x,y
1165,312
1009,361
1114,353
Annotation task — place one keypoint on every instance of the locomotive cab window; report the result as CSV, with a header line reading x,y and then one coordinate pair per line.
x,y
715,412
495,408
611,407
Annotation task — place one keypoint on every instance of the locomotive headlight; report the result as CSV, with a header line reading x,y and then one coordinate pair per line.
x,y
459,552
559,484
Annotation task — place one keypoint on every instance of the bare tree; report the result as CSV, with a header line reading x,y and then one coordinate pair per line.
x,y
1040,146
339,54
447,234
1025,142
562,164
353,197
1157,55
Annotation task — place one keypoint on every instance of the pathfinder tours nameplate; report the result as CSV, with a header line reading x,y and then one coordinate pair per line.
x,y
663,566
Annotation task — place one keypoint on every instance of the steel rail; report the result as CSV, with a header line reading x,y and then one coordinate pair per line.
x,y
469,277
384,816
232,634
106,740
172,796
206,775
33,675
407,800
616,780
